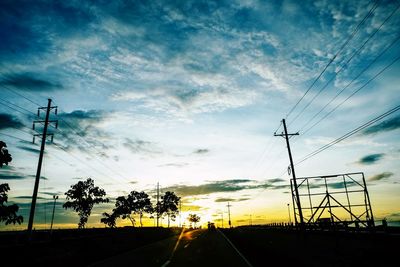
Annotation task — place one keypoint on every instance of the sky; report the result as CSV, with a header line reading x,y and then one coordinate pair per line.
x,y
188,94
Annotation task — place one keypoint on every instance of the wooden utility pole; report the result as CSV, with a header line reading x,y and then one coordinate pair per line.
x,y
158,202
55,197
180,212
286,136
229,215
39,167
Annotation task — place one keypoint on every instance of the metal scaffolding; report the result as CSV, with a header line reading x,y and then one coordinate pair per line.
x,y
339,200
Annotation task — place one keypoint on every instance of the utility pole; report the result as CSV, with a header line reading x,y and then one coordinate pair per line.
x,y
222,219
180,212
158,202
286,136
52,216
288,208
39,167
229,215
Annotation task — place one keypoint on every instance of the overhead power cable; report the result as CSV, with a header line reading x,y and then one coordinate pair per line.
x,y
358,51
370,12
355,92
349,134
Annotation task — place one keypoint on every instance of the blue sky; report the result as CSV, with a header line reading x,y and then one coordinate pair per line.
x,y
189,94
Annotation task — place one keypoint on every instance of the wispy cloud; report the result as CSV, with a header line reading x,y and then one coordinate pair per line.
x,y
15,175
230,199
381,176
385,126
224,186
141,147
83,130
201,151
176,164
29,197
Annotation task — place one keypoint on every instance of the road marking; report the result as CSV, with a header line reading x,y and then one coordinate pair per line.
x,y
166,263
186,245
173,251
233,246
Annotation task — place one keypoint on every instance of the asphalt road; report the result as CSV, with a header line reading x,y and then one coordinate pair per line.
x,y
192,248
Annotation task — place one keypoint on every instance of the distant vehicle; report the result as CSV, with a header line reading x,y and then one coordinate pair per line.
x,y
211,226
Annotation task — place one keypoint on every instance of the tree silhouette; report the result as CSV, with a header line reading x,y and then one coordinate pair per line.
x,y
109,219
169,205
136,203
141,204
8,214
5,157
124,208
84,195
193,218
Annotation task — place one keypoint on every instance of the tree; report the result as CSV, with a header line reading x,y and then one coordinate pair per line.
x,y
141,204
5,157
136,203
193,218
84,195
109,219
169,205
8,214
124,208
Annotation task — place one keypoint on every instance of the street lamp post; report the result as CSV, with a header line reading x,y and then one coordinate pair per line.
x,y
55,197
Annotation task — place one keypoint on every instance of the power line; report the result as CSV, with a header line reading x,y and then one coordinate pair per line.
x,y
12,136
356,91
87,165
349,134
15,92
334,57
8,103
107,167
94,156
346,63
93,147
78,160
345,136
63,134
273,162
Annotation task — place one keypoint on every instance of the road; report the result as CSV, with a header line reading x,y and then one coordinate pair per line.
x,y
192,248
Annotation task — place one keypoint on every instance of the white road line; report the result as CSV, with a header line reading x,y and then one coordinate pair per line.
x,y
166,263
233,246
186,245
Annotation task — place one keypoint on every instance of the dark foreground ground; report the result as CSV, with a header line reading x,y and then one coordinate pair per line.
x,y
242,246
75,247
262,247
